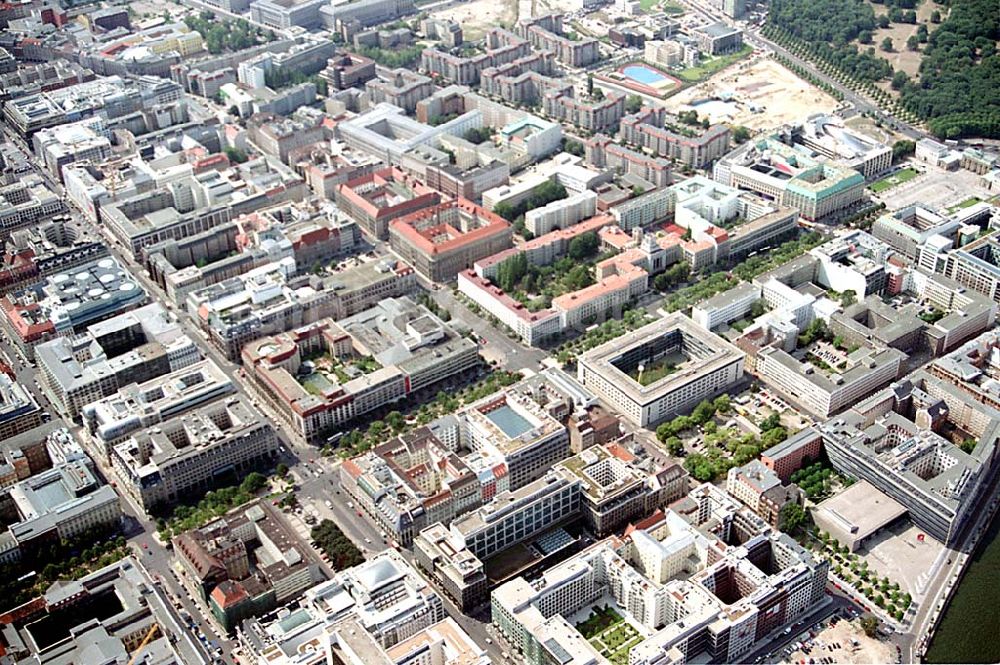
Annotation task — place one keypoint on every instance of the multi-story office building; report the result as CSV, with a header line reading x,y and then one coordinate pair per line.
x,y
517,515
661,369
532,136
81,141
651,129
793,453
562,213
45,249
384,596
366,12
270,299
531,327
675,576
375,199
824,392
36,450
726,307
908,229
830,137
384,131
110,97
68,302
62,503
383,483
192,453
617,488
976,266
348,70
528,439
283,14
26,204
791,176
130,348
441,241
455,570
896,440
138,406
718,38
364,362
182,204
279,136
247,563
19,412
95,624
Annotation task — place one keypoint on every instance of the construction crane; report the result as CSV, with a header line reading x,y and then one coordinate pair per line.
x,y
142,645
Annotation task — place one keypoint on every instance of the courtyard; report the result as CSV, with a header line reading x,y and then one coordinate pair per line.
x,y
610,634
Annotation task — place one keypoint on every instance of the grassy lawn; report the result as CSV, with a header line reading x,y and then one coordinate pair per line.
x,y
649,6
656,370
895,179
710,67
967,203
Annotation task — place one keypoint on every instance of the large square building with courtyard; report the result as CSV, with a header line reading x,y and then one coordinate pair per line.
x,y
661,370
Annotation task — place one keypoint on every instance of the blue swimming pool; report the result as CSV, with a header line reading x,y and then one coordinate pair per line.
x,y
643,74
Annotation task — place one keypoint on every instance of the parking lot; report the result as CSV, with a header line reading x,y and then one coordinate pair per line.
x,y
840,642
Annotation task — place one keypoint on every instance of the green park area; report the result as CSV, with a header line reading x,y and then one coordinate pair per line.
x,y
896,179
707,68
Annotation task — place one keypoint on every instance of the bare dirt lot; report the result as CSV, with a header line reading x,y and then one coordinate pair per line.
x,y
765,95
844,633
478,16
